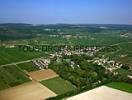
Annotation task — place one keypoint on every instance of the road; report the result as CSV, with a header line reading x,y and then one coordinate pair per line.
x,y
15,63
20,62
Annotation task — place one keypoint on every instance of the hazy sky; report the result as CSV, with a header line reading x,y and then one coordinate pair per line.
x,y
66,11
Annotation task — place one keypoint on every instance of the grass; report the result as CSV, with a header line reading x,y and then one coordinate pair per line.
x,y
29,67
11,76
121,86
9,55
58,85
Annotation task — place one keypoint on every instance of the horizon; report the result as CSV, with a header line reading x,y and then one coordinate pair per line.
x,y
66,12
65,24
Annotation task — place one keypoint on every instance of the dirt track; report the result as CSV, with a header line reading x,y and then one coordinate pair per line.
x,y
103,93
42,74
27,91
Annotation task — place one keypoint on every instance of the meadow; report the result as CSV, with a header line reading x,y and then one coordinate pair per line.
x,y
28,67
121,86
58,85
78,78
11,76
10,55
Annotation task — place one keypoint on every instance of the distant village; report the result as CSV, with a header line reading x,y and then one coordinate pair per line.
x,y
109,65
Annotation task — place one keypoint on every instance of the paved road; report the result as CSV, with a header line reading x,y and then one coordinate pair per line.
x,y
20,62
15,63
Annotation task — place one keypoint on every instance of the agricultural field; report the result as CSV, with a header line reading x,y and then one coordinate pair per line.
x,y
42,74
126,50
11,76
121,86
98,39
27,91
10,55
68,70
58,85
121,54
28,67
102,93
106,38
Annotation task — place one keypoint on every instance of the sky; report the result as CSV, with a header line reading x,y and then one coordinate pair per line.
x,y
66,11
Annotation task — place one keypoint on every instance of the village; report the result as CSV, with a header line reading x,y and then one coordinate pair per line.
x,y
109,64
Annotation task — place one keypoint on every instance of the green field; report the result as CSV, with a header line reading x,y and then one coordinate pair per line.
x,y
58,85
122,54
113,41
29,67
9,55
89,39
121,86
126,49
11,76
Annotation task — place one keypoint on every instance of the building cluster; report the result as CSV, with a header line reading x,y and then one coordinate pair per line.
x,y
89,51
110,65
126,35
10,44
42,63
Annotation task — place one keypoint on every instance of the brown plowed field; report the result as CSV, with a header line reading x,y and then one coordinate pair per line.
x,y
27,91
42,74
